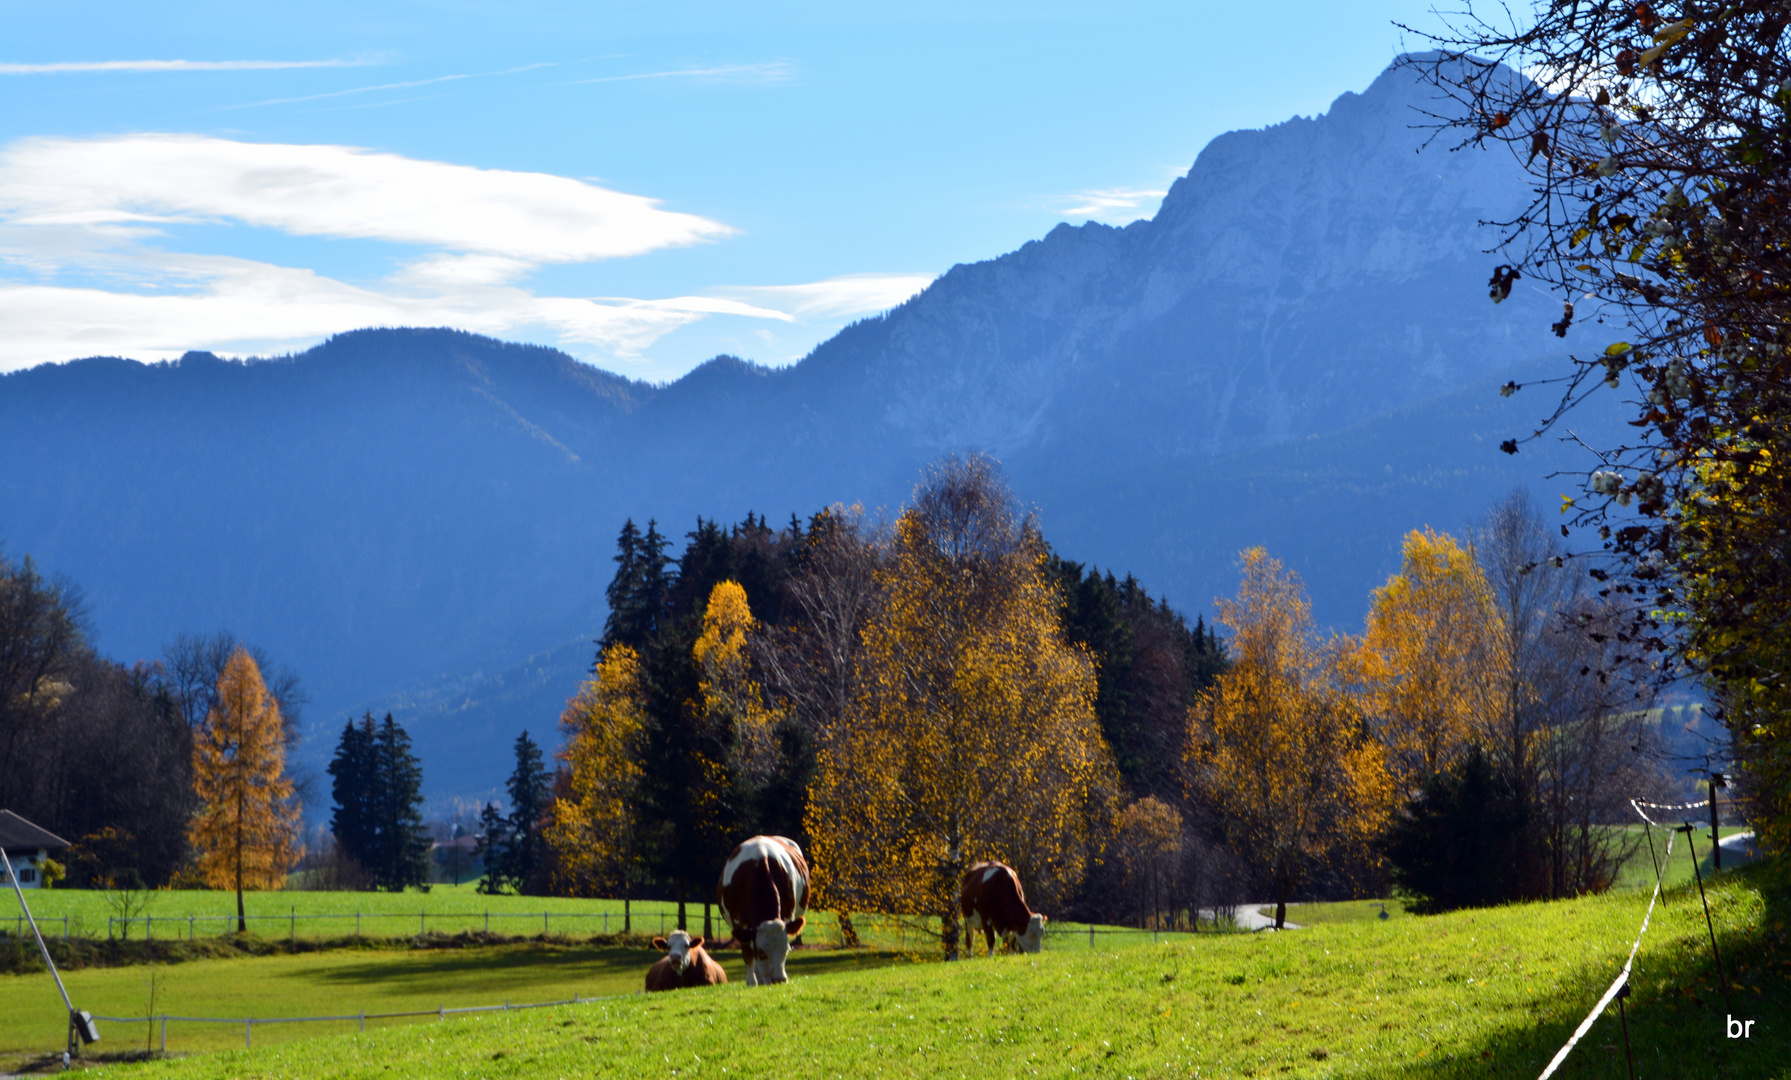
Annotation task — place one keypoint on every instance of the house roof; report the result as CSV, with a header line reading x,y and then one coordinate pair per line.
x,y
16,832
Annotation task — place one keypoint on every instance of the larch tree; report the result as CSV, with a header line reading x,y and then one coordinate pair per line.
x,y
1430,664
246,832
1277,746
601,828
973,734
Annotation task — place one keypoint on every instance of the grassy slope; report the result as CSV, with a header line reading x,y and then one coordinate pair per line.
x,y
335,983
1484,993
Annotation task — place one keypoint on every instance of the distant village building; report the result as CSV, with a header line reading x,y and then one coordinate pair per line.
x,y
28,847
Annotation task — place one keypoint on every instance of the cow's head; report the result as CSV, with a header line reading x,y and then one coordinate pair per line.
x,y
771,945
1033,936
681,947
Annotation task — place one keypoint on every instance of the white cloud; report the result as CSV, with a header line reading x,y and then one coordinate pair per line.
x,y
84,224
1110,203
73,67
243,307
334,191
838,297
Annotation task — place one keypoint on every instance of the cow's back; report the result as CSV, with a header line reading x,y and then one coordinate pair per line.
x,y
764,878
992,892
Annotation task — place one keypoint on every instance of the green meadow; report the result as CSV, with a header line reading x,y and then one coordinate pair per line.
x,y
1480,993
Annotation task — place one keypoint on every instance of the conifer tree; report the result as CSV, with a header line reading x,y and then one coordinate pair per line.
x,y
529,799
402,845
246,830
354,784
493,848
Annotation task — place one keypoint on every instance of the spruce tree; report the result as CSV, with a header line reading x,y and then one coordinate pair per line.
x,y
403,842
354,785
529,799
493,848
625,593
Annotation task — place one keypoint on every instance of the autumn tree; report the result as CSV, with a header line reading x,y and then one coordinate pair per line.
x,y
601,828
1655,135
733,701
1430,663
973,734
1277,745
246,829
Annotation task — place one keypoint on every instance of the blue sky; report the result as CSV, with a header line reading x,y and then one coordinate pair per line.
x,y
643,184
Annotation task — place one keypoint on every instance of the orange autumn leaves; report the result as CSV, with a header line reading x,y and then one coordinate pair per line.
x,y
1308,744
246,830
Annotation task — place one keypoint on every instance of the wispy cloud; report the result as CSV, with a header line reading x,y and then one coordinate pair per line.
x,y
237,306
838,297
147,181
774,72
1110,203
379,87
79,66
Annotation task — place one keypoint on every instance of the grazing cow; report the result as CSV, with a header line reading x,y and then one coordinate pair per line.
x,y
685,965
993,902
763,893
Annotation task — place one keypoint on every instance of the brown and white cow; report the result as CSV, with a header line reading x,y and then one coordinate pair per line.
x,y
993,902
684,965
763,893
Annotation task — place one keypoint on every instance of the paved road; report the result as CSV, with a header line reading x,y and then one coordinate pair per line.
x,y
1250,919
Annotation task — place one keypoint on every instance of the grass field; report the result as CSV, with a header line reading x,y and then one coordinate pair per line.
x,y
335,983
1480,993
445,909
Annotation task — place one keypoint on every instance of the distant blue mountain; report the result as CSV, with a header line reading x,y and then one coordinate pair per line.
x,y
1297,351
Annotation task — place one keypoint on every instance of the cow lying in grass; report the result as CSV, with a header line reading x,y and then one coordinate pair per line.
x,y
684,965
763,893
993,902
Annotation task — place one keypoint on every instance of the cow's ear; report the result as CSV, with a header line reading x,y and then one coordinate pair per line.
x,y
794,926
661,944
696,942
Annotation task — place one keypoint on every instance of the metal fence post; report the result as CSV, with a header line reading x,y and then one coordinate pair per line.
x,y
65,928
363,1020
544,924
248,1034
1091,935
164,1033
189,928
422,922
357,924
488,921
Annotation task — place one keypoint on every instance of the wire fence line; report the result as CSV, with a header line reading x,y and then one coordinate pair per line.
x,y
1619,988
249,1022
467,919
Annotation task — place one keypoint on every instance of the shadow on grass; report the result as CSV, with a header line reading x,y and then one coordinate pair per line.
x,y
1677,1014
525,965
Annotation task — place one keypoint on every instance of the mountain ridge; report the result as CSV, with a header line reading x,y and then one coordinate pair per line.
x,y
1296,351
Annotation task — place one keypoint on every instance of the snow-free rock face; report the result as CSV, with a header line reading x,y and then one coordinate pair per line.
x,y
1297,351
1298,279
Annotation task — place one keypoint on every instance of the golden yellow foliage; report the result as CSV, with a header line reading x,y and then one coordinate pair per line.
x,y
246,829
973,735
1275,743
1430,666
598,832
731,697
